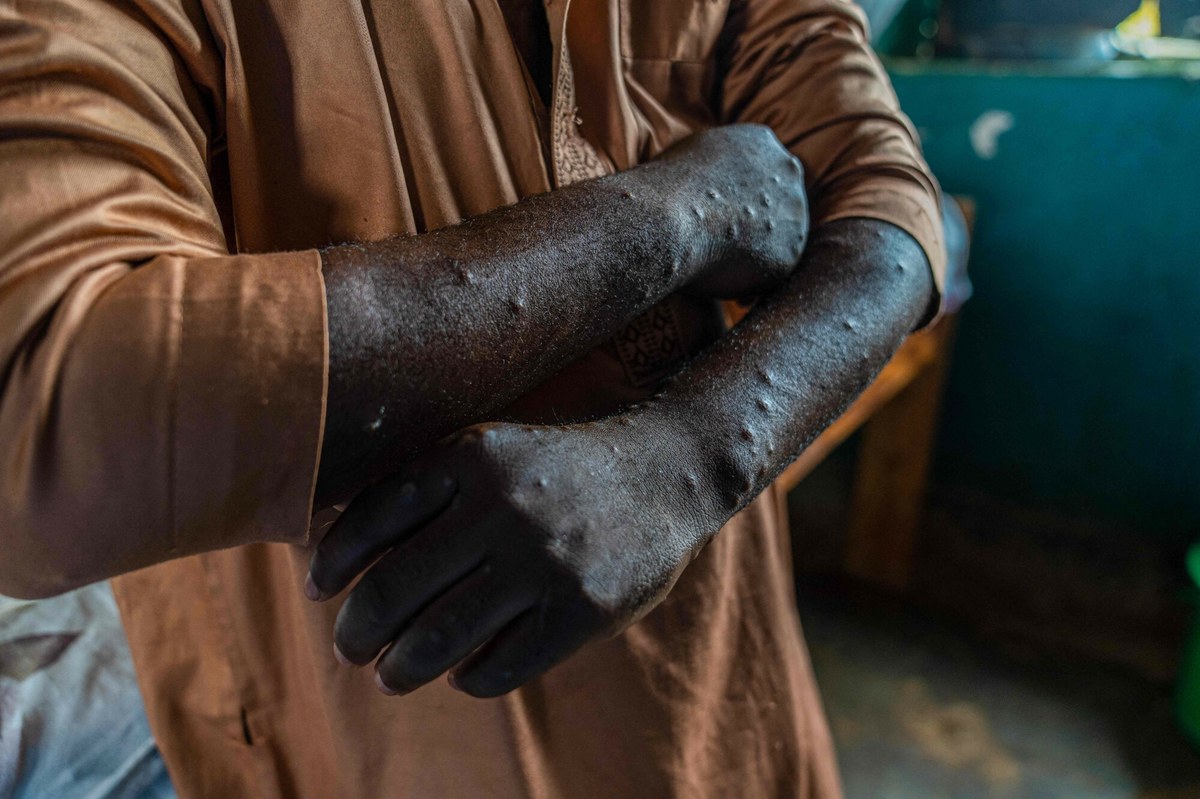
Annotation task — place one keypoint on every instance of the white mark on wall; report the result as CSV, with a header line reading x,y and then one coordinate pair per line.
x,y
987,130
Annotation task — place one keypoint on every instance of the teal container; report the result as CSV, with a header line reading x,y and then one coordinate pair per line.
x,y
1188,686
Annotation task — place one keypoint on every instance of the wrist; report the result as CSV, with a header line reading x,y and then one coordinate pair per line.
x,y
683,463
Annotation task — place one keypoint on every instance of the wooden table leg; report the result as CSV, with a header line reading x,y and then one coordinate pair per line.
x,y
892,476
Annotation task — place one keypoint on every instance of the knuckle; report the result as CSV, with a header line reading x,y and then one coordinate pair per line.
x,y
519,506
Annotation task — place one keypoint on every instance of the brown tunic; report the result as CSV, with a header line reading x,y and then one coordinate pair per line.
x,y
166,169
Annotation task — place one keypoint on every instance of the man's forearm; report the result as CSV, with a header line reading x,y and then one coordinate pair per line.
x,y
663,476
426,333
430,333
758,397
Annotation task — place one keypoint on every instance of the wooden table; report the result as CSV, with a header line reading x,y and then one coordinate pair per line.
x,y
898,416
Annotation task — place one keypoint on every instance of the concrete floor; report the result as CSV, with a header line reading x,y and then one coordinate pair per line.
x,y
922,709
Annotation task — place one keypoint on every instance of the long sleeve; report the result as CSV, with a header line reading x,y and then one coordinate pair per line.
x,y
158,395
805,68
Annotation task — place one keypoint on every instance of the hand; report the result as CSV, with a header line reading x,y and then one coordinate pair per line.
x,y
748,192
507,547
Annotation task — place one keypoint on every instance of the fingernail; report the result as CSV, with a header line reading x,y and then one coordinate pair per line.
x,y
450,678
383,689
310,589
337,653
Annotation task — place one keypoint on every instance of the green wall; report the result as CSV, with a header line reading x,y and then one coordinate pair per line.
x,y
1076,381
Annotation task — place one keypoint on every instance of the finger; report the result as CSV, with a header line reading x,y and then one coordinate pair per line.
x,y
532,644
403,582
377,519
450,629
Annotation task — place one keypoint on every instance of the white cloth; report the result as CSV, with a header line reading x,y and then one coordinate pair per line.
x,y
72,722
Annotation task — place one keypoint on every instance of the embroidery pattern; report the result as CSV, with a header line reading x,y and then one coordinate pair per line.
x,y
575,158
651,347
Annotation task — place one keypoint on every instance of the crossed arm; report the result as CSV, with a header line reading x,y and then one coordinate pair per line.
x,y
430,333
426,334
111,333
505,548
161,396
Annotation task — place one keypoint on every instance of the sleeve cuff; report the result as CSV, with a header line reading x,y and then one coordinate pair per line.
x,y
250,382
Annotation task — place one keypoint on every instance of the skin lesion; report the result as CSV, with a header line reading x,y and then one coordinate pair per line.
x,y
447,328
527,496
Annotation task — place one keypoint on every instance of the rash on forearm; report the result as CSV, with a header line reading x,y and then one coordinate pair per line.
x,y
430,333
759,396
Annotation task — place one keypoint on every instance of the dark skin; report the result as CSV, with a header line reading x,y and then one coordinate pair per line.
x,y
507,547
504,548
430,333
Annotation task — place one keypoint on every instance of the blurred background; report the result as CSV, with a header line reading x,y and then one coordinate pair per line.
x,y
992,547
993,568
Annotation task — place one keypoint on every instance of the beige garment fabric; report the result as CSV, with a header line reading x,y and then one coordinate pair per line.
x,y
167,168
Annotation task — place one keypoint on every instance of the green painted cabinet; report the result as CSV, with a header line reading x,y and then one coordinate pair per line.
x,y
1076,382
